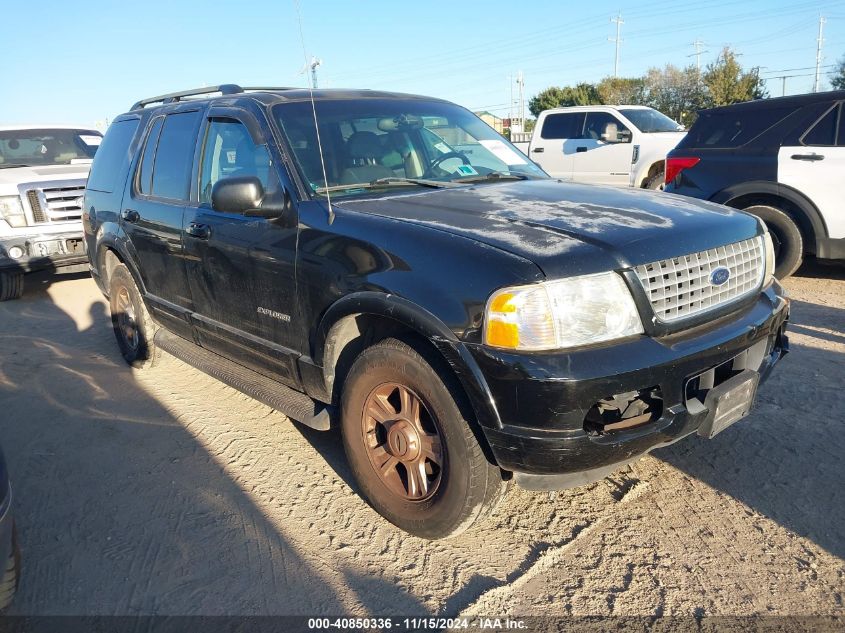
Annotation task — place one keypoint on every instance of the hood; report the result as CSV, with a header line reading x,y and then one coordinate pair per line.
x,y
566,228
10,177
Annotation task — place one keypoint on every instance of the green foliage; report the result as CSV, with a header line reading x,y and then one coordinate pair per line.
x,y
555,97
677,92
726,82
838,80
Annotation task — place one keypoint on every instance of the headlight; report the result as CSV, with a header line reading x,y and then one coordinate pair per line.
x,y
560,314
770,258
11,210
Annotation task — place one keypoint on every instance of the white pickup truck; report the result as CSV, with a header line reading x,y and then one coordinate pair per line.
x,y
609,145
43,171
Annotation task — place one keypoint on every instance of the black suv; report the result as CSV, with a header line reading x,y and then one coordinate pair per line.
x,y
780,159
390,265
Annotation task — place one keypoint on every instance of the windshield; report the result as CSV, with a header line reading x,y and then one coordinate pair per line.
x,y
34,147
383,143
649,120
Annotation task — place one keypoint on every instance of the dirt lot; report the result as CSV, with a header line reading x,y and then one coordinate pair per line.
x,y
166,492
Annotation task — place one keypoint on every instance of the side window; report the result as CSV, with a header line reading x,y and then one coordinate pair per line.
x,y
174,156
601,125
824,131
565,125
229,151
145,174
112,158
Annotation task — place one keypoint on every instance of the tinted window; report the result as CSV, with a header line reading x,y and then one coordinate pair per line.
x,y
823,132
563,125
145,177
649,120
230,152
600,124
174,156
732,128
112,157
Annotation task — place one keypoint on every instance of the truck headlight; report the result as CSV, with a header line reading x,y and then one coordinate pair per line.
x,y
11,210
560,314
770,258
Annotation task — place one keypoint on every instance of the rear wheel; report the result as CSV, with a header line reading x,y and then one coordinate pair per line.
x,y
133,327
786,238
657,182
410,446
11,285
10,574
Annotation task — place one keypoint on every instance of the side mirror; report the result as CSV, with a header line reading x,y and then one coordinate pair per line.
x,y
245,195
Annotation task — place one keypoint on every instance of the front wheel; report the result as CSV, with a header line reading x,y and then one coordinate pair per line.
x,y
11,285
410,446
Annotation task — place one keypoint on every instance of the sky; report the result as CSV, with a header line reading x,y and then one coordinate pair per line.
x,y
84,62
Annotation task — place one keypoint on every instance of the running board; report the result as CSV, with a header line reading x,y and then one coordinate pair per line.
x,y
292,403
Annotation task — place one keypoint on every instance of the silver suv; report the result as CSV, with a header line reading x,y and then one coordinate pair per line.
x,y
43,171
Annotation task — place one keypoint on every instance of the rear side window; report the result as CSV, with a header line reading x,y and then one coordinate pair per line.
x,y
733,128
824,131
145,176
564,125
112,158
174,156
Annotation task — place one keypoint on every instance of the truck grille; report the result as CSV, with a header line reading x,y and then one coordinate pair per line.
x,y
681,287
56,204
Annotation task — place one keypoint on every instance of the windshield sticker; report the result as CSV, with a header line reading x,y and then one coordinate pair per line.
x,y
445,149
90,139
504,153
466,170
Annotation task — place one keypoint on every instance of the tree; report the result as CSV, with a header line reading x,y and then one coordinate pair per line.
x,y
555,97
678,93
726,82
838,80
622,90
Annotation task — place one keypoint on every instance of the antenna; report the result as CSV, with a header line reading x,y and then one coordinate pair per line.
x,y
314,108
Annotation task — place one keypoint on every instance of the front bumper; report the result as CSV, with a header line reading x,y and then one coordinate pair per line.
x,y
543,399
41,251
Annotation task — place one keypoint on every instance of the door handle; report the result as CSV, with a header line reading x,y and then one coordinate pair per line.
x,y
130,215
581,149
807,156
538,150
199,231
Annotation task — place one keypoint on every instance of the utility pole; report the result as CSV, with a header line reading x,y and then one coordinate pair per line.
x,y
697,54
520,81
617,40
820,41
314,65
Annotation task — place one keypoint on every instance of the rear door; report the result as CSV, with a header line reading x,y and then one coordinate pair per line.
x,y
815,167
152,214
241,269
603,151
548,145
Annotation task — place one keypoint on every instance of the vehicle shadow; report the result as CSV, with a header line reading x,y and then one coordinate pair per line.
x,y
121,507
785,459
821,269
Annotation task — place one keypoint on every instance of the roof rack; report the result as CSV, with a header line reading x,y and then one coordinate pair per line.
x,y
225,89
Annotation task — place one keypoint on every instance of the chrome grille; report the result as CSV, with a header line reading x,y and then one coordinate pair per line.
x,y
56,204
680,287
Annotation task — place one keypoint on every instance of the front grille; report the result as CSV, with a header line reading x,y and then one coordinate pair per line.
x,y
680,287
56,204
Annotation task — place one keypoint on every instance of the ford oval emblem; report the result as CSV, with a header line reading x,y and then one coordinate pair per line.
x,y
719,276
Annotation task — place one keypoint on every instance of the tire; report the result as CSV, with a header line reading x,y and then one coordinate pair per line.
x,y
789,245
11,575
656,182
451,493
133,327
11,285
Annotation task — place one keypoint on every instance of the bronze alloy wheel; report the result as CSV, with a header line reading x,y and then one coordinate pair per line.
x,y
126,319
402,441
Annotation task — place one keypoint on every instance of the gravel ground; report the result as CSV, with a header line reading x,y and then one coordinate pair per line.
x,y
166,492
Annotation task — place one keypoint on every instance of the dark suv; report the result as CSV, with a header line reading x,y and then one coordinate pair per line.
x,y
390,265
780,159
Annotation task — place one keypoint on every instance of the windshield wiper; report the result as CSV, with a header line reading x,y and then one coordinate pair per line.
x,y
494,176
387,182
7,165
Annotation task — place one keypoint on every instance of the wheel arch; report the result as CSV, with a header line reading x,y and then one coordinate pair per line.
x,y
795,204
655,168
